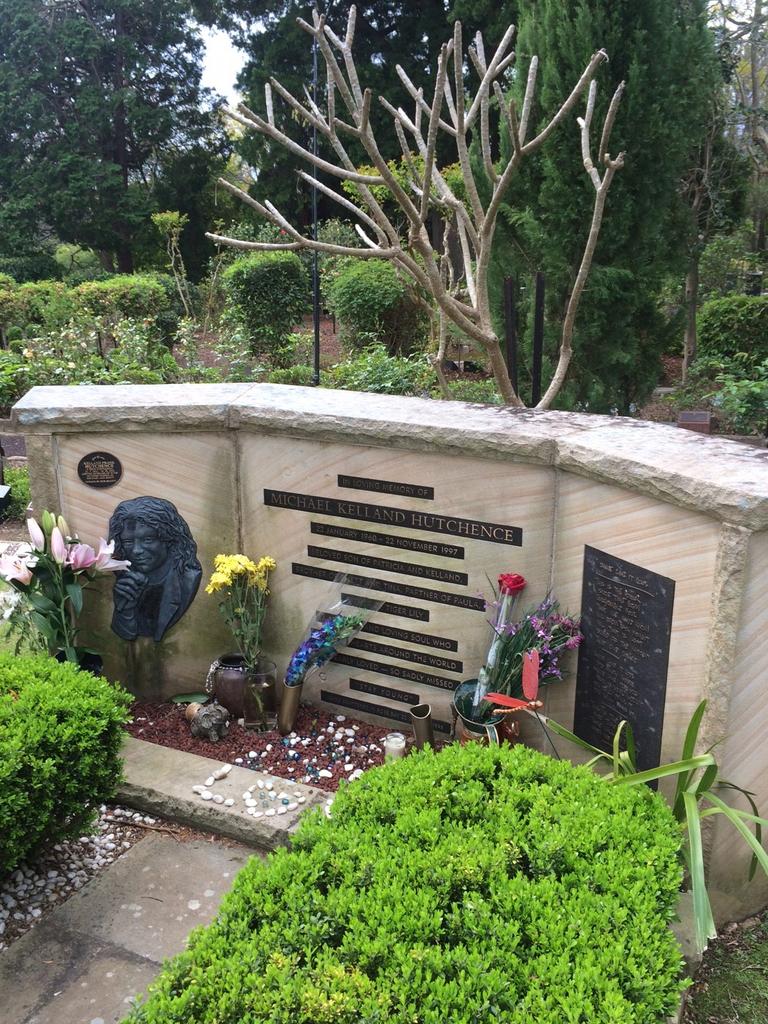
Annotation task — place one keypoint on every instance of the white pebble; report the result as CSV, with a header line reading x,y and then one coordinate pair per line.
x,y
209,781
252,753
325,774
238,760
341,718
348,767
282,810
207,794
268,785
198,789
302,799
268,747
223,772
269,812
260,783
246,794
229,802
218,798
349,732
292,807
257,814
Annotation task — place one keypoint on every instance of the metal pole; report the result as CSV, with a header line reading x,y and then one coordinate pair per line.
x,y
510,329
315,274
538,339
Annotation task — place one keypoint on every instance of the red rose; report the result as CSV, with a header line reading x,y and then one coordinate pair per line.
x,y
511,582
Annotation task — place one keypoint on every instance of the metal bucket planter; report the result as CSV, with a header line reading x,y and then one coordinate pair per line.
x,y
471,728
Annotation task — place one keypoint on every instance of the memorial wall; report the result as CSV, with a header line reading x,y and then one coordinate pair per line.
x,y
657,536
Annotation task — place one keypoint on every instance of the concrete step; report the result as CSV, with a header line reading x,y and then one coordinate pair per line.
x,y
159,780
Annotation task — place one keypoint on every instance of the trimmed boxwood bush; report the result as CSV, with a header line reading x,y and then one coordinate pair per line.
x,y
372,306
268,294
126,295
470,886
60,734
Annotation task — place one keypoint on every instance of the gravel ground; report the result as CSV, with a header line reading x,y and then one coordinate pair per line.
x,y
324,749
35,888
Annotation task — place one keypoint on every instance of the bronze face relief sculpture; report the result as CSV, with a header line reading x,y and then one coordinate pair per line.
x,y
165,573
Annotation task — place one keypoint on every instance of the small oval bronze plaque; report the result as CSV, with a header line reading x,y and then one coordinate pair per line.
x,y
99,469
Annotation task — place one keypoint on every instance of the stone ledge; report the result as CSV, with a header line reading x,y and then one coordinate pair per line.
x,y
159,780
720,478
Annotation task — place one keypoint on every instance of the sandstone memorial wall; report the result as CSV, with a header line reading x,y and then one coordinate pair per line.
x,y
657,535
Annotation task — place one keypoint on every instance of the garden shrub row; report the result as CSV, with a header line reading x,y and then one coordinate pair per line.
x,y
732,325
60,735
470,886
26,309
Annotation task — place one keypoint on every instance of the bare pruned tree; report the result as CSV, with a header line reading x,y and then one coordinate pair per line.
x,y
458,294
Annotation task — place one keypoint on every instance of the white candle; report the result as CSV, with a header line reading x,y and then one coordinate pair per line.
x,y
394,746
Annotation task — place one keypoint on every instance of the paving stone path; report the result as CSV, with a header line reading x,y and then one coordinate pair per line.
x,y
90,958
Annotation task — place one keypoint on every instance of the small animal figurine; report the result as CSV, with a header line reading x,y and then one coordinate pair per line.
x,y
208,721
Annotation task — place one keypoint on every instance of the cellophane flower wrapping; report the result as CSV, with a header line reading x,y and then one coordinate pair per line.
x,y
331,627
511,586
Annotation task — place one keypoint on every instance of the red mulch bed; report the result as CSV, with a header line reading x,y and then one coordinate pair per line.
x,y
164,723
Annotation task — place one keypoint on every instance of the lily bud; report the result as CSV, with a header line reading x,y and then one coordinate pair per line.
x,y
48,522
58,546
62,524
36,535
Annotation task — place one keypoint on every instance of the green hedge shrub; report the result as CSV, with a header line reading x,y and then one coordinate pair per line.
x,y
479,884
60,734
736,323
268,294
374,370
138,296
36,305
372,306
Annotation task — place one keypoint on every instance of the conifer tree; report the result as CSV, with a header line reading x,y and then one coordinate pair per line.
x,y
664,53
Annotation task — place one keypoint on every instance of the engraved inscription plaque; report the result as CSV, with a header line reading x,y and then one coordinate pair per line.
x,y
626,620
344,701
100,469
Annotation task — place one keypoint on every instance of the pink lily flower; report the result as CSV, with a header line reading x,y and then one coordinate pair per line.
x,y
104,560
36,534
58,546
81,556
15,569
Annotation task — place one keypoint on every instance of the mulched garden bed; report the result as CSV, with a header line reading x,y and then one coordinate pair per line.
x,y
324,748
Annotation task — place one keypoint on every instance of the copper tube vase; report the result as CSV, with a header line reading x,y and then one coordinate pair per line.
x,y
421,722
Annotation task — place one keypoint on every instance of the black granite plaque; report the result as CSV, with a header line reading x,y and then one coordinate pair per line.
x,y
362,483
442,643
389,692
386,515
100,469
424,572
396,714
626,615
476,604
412,675
404,611
390,540
404,654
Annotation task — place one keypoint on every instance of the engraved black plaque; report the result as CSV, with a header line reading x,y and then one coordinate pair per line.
x,y
100,469
476,604
411,675
424,572
388,515
390,692
405,654
397,714
390,540
626,616
364,483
